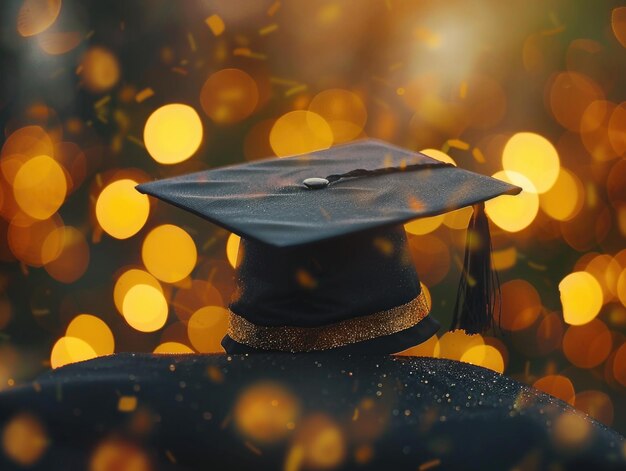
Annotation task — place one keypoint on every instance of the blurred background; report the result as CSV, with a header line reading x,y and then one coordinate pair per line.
x,y
96,97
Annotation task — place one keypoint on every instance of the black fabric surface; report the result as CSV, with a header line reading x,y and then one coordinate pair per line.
x,y
266,200
429,413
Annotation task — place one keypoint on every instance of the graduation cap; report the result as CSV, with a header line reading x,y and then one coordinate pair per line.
x,y
324,262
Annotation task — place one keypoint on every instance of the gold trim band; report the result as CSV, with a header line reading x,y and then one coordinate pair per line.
x,y
325,337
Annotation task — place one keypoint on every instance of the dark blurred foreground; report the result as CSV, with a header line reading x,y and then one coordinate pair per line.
x,y
145,412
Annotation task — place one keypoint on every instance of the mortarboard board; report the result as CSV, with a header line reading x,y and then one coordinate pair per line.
x,y
323,260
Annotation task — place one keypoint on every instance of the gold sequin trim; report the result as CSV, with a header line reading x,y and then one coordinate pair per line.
x,y
308,339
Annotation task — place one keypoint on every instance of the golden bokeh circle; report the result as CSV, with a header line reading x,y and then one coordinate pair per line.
x,y
24,439
36,242
173,133
486,356
425,225
119,455
570,94
206,329
343,110
172,348
513,213
618,24
581,297
121,210
40,187
145,308
521,305
455,343
68,350
571,431
266,412
94,331
71,259
564,200
321,441
588,345
127,280
59,42
533,156
300,132
36,16
232,249
169,253
558,386
596,404
229,96
99,69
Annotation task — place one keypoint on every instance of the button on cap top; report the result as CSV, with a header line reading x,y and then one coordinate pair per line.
x,y
315,183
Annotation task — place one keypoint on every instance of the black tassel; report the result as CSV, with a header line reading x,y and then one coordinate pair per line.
x,y
478,298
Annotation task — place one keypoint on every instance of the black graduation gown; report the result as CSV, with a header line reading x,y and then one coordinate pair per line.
x,y
385,412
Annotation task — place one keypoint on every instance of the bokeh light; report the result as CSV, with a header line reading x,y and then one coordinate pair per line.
x,y
206,328
40,187
514,213
521,305
266,412
424,225
300,132
485,356
169,253
571,431
343,110
232,249
59,42
533,156
569,96
229,96
190,297
94,331
36,243
70,350
588,345
321,442
438,155
65,253
99,70
36,16
121,210
172,348
24,439
131,278
117,454
558,386
431,257
564,200
145,308
618,24
173,133
454,344
581,297
596,404
458,219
